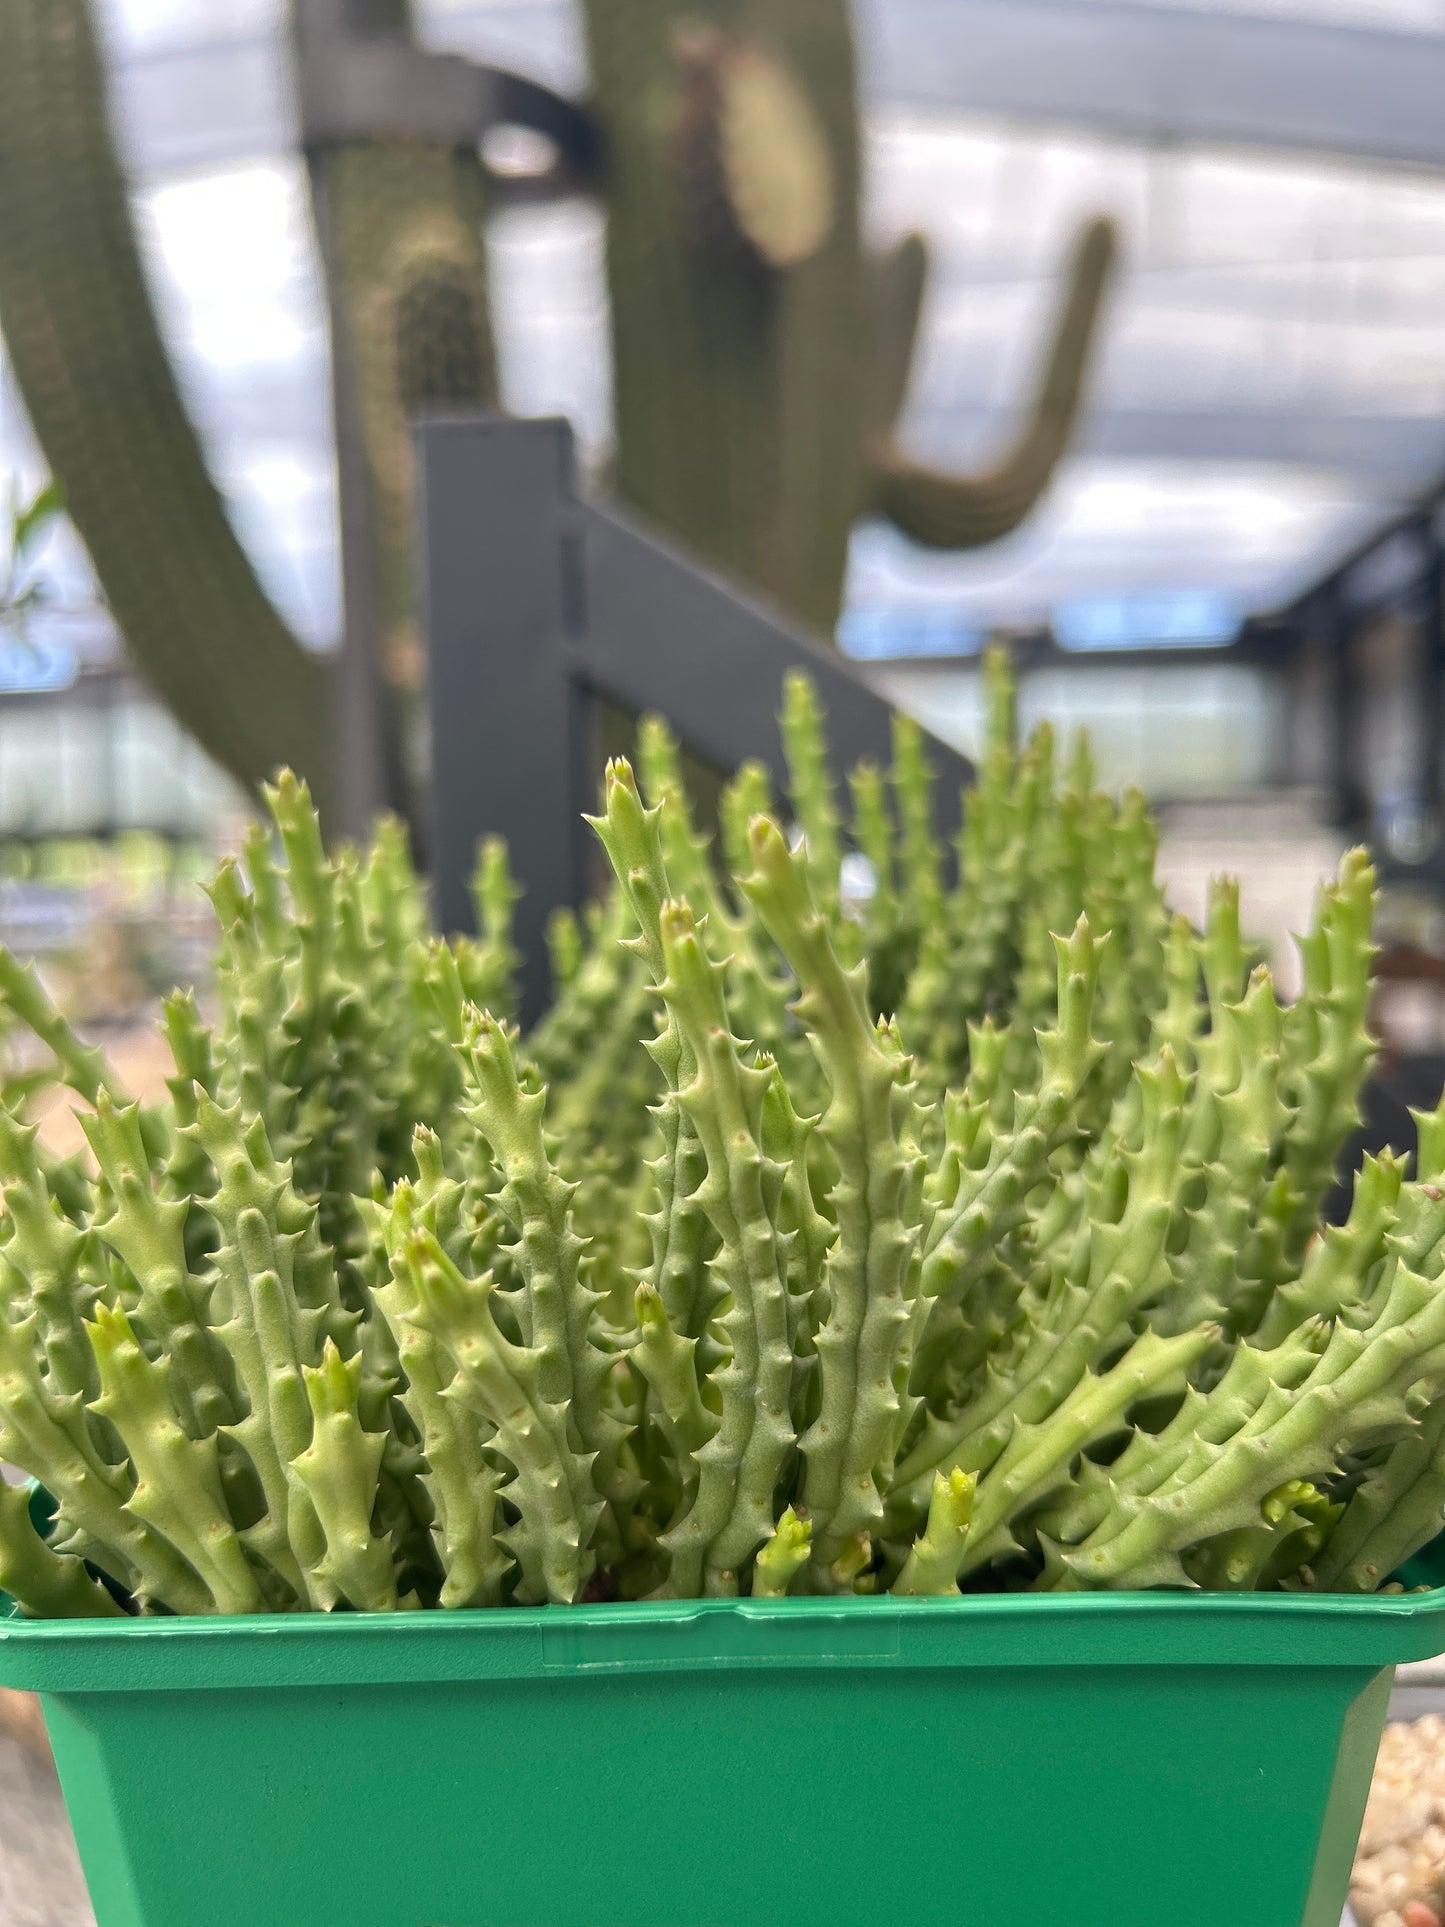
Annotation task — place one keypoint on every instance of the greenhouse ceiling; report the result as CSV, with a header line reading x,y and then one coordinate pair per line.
x,y
1273,377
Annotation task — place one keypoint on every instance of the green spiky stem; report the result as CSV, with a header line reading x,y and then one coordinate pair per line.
x,y
1036,1458
739,1466
178,1479
501,1381
463,1484
1352,1394
147,1232
811,785
561,1308
782,1558
45,1584
868,1273
1397,1509
932,1566
338,1473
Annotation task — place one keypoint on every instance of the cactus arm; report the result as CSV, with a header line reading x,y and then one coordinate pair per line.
x,y
565,950
282,1304
739,1467
1326,1052
869,1272
950,511
187,1169
749,793
1237,1102
100,393
666,1360
493,961
788,1140
50,1438
45,1584
1342,1257
920,859
339,1471
931,1568
1116,1271
897,284
178,1479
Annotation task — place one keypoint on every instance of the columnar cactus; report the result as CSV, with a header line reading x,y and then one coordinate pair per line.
x,y
760,356
387,1306
760,359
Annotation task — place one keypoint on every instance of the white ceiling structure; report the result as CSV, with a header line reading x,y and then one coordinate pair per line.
x,y
1273,377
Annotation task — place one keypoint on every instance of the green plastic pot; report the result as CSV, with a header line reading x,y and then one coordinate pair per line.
x,y
1105,1760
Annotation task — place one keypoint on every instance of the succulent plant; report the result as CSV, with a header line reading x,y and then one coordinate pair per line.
x,y
725,1279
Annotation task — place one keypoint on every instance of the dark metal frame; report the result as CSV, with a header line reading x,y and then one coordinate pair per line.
x,y
536,603
1401,567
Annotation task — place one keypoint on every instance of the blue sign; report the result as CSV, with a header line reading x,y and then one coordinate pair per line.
x,y
1185,619
883,634
29,668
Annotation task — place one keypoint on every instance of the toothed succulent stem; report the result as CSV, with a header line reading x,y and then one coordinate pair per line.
x,y
44,1584
876,1204
740,1465
338,1473
782,1558
932,1566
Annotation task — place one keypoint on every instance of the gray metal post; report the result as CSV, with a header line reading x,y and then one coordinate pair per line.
x,y
535,603
508,733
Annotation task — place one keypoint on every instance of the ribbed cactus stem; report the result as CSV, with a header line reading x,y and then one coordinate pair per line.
x,y
147,1231
461,1481
1397,1508
1036,1458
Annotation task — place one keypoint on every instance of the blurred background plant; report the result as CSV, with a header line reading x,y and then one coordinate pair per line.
x,y
761,357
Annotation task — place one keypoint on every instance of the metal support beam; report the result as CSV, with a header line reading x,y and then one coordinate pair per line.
x,y
509,748
536,603
1191,76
